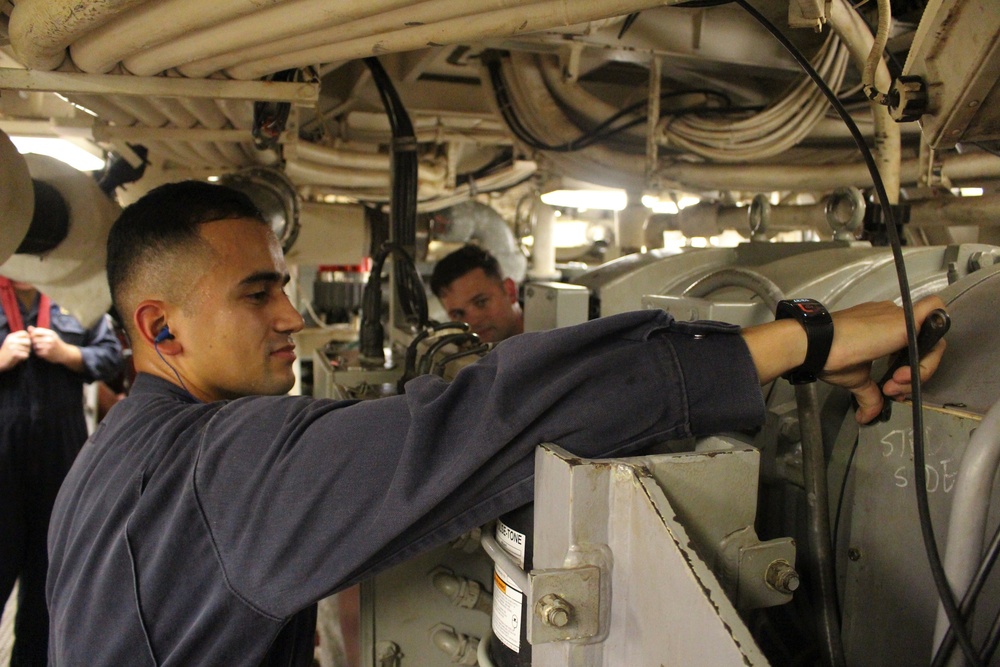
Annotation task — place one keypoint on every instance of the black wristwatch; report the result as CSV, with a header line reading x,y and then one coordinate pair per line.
x,y
815,319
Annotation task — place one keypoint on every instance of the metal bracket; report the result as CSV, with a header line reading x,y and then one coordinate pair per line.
x,y
564,604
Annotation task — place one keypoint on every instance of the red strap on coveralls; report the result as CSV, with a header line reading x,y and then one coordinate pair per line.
x,y
8,300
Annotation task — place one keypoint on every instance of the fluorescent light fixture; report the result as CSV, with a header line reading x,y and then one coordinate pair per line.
x,y
60,149
607,200
969,192
658,205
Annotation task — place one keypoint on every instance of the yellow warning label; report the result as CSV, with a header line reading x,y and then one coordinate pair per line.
x,y
499,582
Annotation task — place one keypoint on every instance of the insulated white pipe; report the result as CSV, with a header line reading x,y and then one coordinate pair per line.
x,y
174,111
274,39
205,111
543,251
769,177
153,23
105,109
141,108
334,157
40,30
303,171
502,23
286,20
542,116
969,509
847,23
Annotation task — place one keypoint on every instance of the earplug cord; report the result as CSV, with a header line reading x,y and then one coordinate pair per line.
x,y
156,346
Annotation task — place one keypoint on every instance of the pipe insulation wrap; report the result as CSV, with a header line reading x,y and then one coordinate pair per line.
x,y
532,17
40,30
275,38
154,23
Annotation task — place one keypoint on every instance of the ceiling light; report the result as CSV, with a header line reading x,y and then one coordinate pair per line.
x,y
60,149
608,200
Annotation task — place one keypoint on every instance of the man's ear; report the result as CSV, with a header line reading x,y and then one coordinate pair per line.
x,y
510,287
149,319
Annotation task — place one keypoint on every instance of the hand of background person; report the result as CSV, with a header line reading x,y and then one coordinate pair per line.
x,y
861,335
15,349
49,346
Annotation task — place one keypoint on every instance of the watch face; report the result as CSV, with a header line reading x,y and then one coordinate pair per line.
x,y
807,310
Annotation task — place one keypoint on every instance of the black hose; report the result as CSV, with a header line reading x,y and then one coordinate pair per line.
x,y
821,570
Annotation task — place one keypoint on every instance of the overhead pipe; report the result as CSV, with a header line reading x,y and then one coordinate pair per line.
x,y
713,219
141,108
175,112
854,32
267,25
506,22
102,48
105,108
770,177
205,111
275,38
541,114
40,30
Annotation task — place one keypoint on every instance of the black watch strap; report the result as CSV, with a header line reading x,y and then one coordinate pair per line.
x,y
818,324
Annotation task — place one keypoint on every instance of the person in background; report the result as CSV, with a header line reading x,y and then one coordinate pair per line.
x,y
46,356
471,288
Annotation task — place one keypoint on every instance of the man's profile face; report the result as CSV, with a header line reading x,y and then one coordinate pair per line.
x,y
236,322
488,305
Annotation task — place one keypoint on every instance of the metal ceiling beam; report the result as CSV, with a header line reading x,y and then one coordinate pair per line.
x,y
300,94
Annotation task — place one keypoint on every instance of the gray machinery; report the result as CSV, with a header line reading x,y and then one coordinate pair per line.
x,y
703,552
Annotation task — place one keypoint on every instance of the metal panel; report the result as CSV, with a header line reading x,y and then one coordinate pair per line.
x,y
666,606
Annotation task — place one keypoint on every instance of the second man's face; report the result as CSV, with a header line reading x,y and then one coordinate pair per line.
x,y
488,305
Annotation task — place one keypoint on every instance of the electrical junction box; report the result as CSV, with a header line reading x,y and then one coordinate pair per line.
x,y
554,305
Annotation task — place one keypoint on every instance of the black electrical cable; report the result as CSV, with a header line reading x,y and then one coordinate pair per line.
x,y
599,133
409,286
969,602
919,471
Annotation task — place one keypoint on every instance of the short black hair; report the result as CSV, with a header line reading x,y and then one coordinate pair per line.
x,y
457,264
162,221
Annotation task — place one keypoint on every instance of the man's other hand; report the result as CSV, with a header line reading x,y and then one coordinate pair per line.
x,y
15,349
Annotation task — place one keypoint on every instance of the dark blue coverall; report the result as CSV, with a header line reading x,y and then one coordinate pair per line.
x,y
42,428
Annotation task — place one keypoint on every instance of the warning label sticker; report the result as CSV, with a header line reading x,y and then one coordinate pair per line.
x,y
507,610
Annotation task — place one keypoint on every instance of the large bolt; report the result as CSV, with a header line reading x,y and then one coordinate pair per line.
x,y
981,260
782,577
554,611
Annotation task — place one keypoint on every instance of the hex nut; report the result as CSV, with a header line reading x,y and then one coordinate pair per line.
x,y
554,611
782,577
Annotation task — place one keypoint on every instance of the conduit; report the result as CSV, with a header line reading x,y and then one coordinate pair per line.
x,y
40,30
544,119
770,177
104,108
102,48
283,21
847,23
782,125
273,38
478,27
